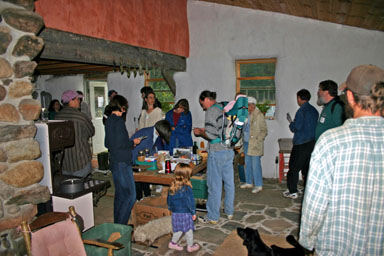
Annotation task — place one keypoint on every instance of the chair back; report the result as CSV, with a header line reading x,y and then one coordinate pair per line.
x,y
53,234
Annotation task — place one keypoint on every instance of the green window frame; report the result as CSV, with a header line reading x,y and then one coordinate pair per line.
x,y
256,78
161,88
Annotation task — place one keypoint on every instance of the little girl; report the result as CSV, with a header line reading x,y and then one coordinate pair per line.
x,y
182,205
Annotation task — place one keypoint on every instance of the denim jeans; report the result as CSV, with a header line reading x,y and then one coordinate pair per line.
x,y
219,171
253,173
125,192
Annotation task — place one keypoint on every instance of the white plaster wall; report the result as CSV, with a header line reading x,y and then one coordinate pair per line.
x,y
307,52
57,85
130,89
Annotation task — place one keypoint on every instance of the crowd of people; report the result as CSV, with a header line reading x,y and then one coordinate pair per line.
x,y
341,160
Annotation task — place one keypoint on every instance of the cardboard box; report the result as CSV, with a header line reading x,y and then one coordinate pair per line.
x,y
148,209
199,186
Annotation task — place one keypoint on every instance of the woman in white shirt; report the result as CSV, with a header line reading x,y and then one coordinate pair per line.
x,y
151,112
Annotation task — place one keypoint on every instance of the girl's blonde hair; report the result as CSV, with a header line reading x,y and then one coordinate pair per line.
x,y
182,178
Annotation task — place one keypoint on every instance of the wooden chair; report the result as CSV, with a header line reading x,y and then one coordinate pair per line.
x,y
57,233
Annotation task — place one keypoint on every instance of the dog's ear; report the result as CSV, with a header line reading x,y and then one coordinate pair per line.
x,y
241,232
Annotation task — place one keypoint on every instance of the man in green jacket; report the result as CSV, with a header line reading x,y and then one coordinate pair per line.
x,y
333,113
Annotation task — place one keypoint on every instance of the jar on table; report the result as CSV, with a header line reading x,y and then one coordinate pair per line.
x,y
141,156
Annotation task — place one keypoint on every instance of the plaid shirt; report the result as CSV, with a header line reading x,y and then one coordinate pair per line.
x,y
343,208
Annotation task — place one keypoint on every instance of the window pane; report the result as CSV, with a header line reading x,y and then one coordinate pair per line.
x,y
155,74
159,85
165,96
257,84
166,107
257,69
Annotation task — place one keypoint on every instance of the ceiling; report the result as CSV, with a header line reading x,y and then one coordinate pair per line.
x,y
57,67
367,14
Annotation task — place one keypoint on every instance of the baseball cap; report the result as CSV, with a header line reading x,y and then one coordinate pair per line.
x,y
252,100
69,95
111,91
362,78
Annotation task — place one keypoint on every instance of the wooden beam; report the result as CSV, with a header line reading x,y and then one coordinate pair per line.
x,y
60,45
168,77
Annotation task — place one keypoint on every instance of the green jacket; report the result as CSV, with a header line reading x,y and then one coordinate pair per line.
x,y
329,119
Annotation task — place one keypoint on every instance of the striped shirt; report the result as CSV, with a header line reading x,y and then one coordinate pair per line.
x,y
343,208
78,156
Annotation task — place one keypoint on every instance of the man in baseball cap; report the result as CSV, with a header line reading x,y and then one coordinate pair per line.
x,y
70,95
77,159
344,190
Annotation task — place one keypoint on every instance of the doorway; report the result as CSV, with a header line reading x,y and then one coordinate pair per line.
x,y
98,95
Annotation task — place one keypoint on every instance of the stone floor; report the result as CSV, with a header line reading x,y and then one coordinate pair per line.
x,y
268,211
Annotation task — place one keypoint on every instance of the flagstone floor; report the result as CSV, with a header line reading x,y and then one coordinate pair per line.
x,y
268,211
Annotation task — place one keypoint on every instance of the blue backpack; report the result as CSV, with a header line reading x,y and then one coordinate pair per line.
x,y
233,122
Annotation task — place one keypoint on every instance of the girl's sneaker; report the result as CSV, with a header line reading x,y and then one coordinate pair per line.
x,y
193,248
176,247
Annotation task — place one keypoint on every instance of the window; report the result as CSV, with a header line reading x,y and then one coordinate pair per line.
x,y
155,80
256,78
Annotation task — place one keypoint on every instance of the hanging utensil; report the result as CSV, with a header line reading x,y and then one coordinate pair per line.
x,y
114,66
121,66
128,72
141,71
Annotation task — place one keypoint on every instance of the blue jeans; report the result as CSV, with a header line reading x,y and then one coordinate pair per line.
x,y
125,192
253,173
219,171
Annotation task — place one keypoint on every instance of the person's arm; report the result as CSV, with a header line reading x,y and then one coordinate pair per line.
x,y
210,130
88,127
200,132
190,201
188,123
298,122
120,138
186,128
317,194
143,116
261,127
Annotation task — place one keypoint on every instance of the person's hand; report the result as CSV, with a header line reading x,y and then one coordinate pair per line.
x,y
136,141
198,131
289,118
194,217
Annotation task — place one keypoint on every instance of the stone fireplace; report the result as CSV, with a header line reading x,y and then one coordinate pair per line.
x,y
19,171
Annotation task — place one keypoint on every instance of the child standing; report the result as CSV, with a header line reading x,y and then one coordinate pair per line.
x,y
182,205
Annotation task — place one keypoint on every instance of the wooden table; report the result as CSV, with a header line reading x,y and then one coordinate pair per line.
x,y
154,177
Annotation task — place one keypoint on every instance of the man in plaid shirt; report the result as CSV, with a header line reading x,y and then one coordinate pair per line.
x,y
343,208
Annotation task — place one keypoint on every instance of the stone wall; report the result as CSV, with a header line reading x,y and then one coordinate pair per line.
x,y
19,171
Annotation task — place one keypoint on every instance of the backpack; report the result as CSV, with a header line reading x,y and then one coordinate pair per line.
x,y
233,122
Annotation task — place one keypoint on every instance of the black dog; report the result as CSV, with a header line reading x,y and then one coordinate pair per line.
x,y
256,246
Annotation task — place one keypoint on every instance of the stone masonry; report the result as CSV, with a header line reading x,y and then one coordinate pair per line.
x,y
19,171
